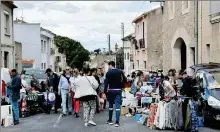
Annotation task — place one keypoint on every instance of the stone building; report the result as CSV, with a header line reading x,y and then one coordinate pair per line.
x,y
7,34
148,42
18,56
178,34
209,31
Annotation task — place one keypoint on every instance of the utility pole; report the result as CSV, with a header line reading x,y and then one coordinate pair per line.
x,y
109,44
0,50
123,36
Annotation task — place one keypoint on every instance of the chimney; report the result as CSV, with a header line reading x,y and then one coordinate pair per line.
x,y
116,47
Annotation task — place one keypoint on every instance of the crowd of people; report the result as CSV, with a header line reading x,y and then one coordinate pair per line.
x,y
89,87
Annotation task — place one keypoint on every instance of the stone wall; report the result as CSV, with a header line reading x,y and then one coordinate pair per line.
x,y
154,40
181,26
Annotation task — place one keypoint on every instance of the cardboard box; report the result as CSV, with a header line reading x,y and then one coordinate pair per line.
x,y
124,110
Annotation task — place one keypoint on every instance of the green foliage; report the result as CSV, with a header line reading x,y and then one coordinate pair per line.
x,y
75,53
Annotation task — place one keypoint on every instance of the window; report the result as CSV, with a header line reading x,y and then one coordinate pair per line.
x,y
133,65
42,46
7,23
45,50
137,64
145,65
128,56
125,56
6,59
208,52
42,65
185,7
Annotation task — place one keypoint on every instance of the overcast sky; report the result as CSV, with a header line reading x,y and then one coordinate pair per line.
x,y
86,21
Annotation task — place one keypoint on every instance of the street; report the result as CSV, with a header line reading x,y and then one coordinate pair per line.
x,y
55,123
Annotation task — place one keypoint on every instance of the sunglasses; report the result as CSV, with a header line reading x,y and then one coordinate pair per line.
x,y
67,69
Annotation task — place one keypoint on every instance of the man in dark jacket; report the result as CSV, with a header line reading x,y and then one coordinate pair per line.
x,y
114,84
53,82
15,86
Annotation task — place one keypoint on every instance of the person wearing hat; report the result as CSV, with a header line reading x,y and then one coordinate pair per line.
x,y
53,82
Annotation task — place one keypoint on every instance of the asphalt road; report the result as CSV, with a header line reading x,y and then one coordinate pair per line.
x,y
56,123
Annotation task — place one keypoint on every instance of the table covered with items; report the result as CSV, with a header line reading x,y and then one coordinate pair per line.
x,y
163,113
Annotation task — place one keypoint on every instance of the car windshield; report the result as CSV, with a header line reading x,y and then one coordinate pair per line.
x,y
40,74
213,79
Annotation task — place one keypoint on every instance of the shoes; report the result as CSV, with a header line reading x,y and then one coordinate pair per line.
x,y
63,115
117,124
109,122
76,115
56,112
16,122
86,124
70,113
92,123
97,111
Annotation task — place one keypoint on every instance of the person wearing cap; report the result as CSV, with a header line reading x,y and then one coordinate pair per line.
x,y
53,82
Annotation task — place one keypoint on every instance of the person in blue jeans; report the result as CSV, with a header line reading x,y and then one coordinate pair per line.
x,y
64,89
114,84
14,95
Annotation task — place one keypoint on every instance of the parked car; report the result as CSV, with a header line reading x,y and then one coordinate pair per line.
x,y
40,74
208,79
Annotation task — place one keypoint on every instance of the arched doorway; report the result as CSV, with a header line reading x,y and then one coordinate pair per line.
x,y
179,55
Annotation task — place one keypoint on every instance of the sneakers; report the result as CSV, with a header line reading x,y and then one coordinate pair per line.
x,y
109,122
117,124
16,122
92,123
70,113
86,124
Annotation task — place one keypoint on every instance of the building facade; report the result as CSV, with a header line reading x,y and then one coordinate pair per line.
x,y
147,43
127,54
47,57
18,56
7,35
178,35
209,31
29,35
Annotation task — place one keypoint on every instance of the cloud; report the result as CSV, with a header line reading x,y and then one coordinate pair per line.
x,y
86,21
64,7
104,7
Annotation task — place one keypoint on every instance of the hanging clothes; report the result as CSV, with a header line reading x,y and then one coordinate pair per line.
x,y
188,123
194,116
161,115
152,114
180,116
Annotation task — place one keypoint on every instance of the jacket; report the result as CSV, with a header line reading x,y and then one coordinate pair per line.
x,y
85,86
15,87
115,79
53,81
64,83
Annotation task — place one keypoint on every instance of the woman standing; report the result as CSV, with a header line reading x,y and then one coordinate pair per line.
x,y
172,78
85,91
76,102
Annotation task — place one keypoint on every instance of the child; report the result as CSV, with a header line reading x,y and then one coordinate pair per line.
x,y
102,101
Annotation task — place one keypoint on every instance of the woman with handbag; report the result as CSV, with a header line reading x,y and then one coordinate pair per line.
x,y
85,91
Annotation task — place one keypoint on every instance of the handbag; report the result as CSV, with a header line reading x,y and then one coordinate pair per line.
x,y
91,84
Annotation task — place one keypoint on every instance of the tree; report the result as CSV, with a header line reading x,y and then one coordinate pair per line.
x,y
75,53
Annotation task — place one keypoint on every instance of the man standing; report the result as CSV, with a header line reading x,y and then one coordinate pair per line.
x,y
114,82
15,86
53,82
64,89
